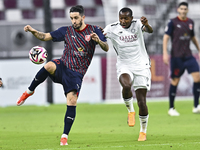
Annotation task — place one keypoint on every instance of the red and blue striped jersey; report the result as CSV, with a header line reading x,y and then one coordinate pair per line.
x,y
181,33
78,46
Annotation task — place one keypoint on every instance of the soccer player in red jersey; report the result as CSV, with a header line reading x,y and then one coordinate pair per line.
x,y
181,31
80,40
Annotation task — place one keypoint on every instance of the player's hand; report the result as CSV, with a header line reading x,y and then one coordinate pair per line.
x,y
28,28
199,55
95,37
144,21
1,83
166,59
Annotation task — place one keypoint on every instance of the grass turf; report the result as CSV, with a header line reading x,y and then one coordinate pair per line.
x,y
98,127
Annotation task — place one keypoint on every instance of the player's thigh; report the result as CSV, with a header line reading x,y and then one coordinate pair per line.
x,y
177,67
50,67
125,76
125,80
196,76
142,80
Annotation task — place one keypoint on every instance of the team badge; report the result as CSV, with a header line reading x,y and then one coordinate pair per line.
x,y
190,26
87,38
133,30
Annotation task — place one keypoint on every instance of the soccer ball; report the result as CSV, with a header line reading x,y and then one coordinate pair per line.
x,y
38,54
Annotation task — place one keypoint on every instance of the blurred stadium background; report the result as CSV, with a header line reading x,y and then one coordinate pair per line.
x,y
100,83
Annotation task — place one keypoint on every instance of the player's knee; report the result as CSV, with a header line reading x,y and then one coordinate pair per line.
x,y
72,98
50,67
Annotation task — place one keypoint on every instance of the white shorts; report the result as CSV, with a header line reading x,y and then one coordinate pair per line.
x,y
140,78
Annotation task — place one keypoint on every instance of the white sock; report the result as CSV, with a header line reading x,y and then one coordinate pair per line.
x,y
64,135
28,91
129,104
143,123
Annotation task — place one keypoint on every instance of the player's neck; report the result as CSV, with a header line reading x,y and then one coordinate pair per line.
x,y
82,27
182,18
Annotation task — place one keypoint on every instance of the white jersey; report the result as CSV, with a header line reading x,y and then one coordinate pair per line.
x,y
129,45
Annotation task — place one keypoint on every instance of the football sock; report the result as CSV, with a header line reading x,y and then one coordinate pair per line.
x,y
172,94
143,123
39,78
69,118
196,90
129,104
29,91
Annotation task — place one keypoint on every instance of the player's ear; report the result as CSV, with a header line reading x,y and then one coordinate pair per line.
x,y
83,17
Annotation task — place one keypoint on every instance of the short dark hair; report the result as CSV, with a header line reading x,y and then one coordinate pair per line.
x,y
77,8
126,9
183,3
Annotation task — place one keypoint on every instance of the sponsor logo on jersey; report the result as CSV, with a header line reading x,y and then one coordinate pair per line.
x,y
129,38
87,38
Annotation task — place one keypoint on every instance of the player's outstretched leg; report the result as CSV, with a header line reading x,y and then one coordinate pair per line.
x,y
24,96
39,78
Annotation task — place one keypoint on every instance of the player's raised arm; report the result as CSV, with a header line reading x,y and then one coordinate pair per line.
x,y
102,44
39,35
147,27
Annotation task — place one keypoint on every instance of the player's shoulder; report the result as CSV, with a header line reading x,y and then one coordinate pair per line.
x,y
190,20
114,24
136,21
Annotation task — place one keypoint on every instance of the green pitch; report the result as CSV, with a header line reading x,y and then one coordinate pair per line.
x,y
98,127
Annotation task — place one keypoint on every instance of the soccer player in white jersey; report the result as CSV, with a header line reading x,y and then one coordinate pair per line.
x,y
133,63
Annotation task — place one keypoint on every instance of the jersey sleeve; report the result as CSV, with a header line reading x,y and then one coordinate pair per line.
x,y
100,34
169,28
192,31
59,34
107,31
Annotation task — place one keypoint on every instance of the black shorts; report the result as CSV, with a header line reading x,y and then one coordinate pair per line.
x,y
178,66
70,80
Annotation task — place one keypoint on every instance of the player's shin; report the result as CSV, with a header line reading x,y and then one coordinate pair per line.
x,y
196,90
69,119
129,104
39,78
143,123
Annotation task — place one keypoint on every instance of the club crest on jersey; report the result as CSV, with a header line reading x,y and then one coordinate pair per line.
x,y
80,49
190,26
87,38
133,30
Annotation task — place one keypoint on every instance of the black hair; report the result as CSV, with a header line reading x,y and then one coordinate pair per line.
x,y
77,8
183,3
126,9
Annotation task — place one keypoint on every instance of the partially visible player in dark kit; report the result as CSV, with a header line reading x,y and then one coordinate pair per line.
x,y
181,31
